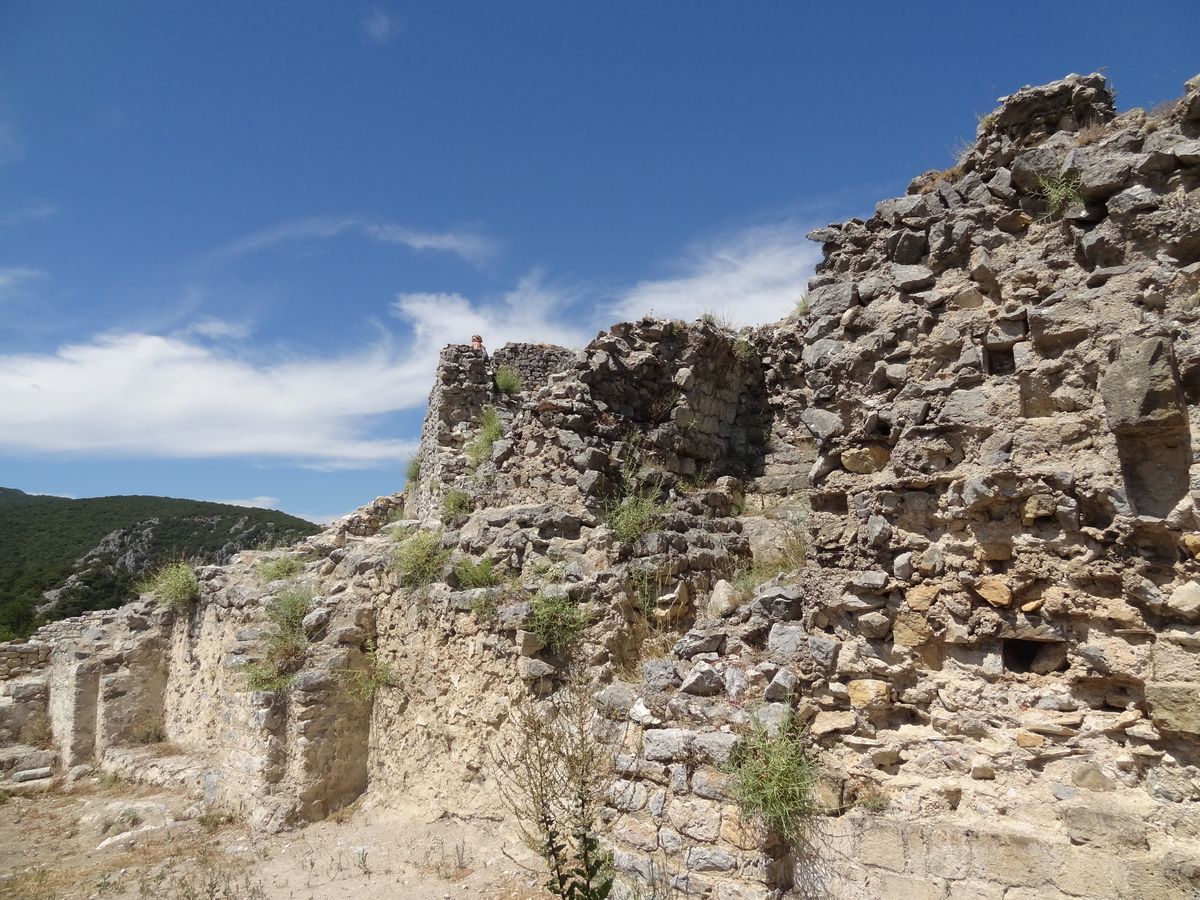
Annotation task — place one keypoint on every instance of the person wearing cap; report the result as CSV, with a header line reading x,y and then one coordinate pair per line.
x,y
477,344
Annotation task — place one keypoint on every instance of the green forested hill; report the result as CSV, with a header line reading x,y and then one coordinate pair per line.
x,y
92,551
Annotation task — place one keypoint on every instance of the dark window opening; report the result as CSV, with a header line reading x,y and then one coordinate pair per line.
x,y
831,503
1019,654
1000,362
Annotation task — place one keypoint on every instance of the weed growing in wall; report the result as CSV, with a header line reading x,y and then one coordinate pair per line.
x,y
632,517
716,320
286,642
419,559
455,504
792,557
471,574
1060,193
276,569
412,471
174,585
557,621
743,350
772,779
490,431
509,381
363,683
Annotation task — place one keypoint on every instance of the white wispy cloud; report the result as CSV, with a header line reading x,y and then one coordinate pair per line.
x,y
144,395
140,395
12,279
263,502
29,214
532,312
473,247
219,329
380,27
751,276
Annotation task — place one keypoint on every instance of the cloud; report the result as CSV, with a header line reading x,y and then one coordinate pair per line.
x,y
254,502
381,27
475,248
753,276
532,312
142,395
216,329
139,395
30,214
13,279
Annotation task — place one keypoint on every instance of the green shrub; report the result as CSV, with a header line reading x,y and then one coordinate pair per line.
x,y
282,567
419,559
633,517
471,574
490,431
772,778
286,642
455,504
174,586
412,471
557,621
1060,193
509,381
261,676
362,684
743,350
802,305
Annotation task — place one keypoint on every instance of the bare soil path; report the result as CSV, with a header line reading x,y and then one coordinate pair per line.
x,y
125,842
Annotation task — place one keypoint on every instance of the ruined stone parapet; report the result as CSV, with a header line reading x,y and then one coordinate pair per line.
x,y
23,657
535,363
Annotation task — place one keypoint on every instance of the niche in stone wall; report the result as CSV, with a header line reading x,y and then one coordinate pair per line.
x,y
1154,465
999,361
830,502
1042,657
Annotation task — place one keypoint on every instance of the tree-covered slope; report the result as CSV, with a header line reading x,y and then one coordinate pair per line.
x,y
89,553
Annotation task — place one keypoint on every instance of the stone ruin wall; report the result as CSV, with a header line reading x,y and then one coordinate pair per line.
x,y
982,423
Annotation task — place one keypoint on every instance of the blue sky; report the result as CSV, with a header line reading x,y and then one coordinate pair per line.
x,y
233,236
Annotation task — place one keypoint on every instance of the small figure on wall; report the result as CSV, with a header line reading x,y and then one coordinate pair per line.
x,y
477,344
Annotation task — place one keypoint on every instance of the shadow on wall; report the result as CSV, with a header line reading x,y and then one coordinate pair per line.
x,y
1147,413
1155,466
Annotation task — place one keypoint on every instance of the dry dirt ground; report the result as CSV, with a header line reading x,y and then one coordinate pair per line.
x,y
125,842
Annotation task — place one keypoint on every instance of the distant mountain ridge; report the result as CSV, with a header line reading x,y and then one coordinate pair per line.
x,y
60,557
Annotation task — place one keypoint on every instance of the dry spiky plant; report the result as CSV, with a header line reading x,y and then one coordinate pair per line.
x,y
550,775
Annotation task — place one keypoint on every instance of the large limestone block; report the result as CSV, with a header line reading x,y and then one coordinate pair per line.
x,y
869,693
1184,602
865,460
1175,705
965,407
1141,388
910,629
995,590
